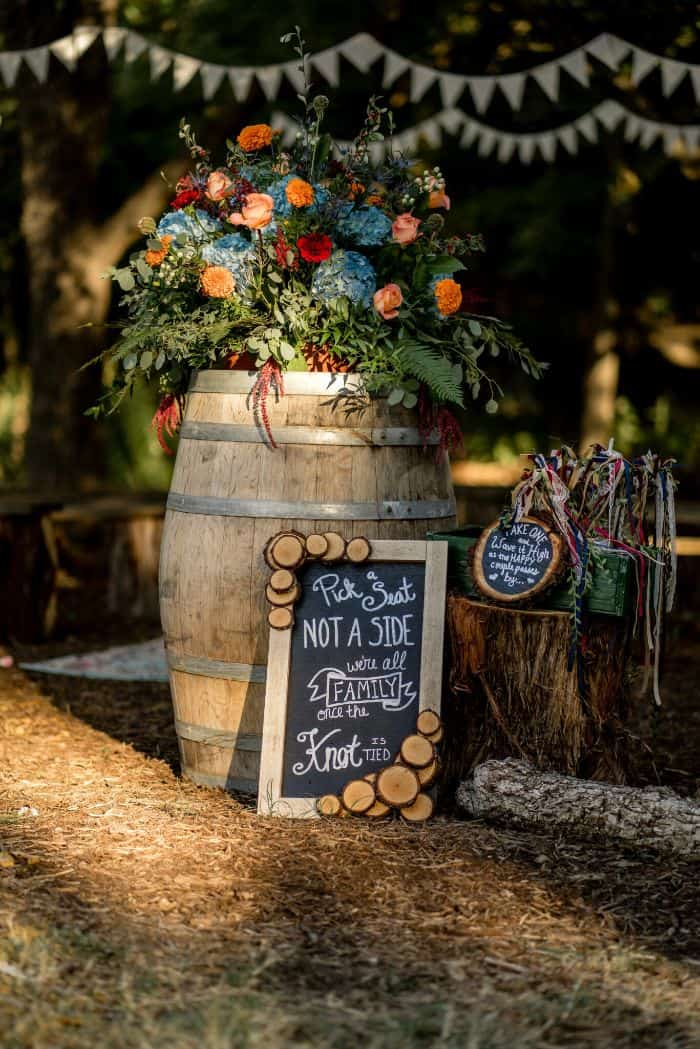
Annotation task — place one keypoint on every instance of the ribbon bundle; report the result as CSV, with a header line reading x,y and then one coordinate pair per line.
x,y
607,502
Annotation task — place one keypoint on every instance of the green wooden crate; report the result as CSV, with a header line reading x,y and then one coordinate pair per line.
x,y
612,593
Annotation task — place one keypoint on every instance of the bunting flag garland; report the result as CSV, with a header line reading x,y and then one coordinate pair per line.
x,y
362,51
610,114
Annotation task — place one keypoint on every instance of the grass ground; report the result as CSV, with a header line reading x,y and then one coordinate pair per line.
x,y
139,911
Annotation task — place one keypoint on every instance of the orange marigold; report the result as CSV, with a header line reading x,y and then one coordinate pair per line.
x,y
448,295
255,136
299,193
374,199
154,256
356,189
217,282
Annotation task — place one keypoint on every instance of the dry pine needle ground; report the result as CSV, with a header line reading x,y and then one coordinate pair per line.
x,y
137,910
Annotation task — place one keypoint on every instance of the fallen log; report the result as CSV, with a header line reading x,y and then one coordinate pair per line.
x,y
516,792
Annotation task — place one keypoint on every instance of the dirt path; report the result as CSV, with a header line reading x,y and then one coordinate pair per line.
x,y
137,910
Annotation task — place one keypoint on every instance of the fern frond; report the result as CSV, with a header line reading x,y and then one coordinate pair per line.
x,y
433,369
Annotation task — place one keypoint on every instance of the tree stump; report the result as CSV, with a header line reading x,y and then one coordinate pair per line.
x,y
511,694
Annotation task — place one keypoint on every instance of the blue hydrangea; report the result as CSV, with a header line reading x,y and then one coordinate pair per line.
x,y
235,253
368,227
282,206
196,229
345,274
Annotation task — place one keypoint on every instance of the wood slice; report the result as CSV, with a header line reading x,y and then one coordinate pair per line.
x,y
282,580
316,545
436,737
358,796
421,809
286,597
397,785
285,550
336,547
358,550
531,576
417,751
428,722
378,810
329,805
428,775
280,618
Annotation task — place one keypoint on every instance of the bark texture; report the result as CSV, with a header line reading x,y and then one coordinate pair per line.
x,y
516,792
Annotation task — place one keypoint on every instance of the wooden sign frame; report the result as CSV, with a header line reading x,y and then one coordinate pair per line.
x,y
434,554
548,579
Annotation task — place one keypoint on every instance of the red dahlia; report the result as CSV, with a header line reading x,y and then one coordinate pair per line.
x,y
314,247
188,196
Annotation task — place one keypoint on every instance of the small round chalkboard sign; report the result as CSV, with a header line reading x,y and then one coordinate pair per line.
x,y
517,562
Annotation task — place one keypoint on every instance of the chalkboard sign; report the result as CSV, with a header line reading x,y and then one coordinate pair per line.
x,y
345,684
515,563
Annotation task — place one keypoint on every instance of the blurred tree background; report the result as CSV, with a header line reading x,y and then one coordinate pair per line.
x,y
593,257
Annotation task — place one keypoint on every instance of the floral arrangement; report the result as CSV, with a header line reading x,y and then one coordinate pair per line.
x,y
309,258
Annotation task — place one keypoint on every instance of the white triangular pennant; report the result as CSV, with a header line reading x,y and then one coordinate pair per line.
x,y
482,89
211,79
487,138
609,113
568,139
548,146
642,64
547,76
431,131
240,80
184,68
672,138
362,50
617,48
421,79
377,152
288,128
408,140
633,126
37,58
294,75
451,120
601,49
160,59
506,147
649,133
671,75
695,77
513,87
691,134
328,65
64,50
394,66
586,125
9,64
576,65
84,37
135,46
469,133
112,38
451,87
526,148
269,78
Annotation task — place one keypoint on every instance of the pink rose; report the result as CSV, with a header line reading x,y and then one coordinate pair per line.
x,y
387,301
439,199
405,228
256,213
218,185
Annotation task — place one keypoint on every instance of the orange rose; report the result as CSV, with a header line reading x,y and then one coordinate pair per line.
x,y
217,282
439,199
299,193
448,295
218,185
405,228
387,301
154,256
256,213
255,136
355,190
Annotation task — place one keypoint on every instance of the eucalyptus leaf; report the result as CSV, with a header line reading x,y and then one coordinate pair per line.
x,y
474,327
130,361
491,406
125,279
410,400
395,396
160,361
146,360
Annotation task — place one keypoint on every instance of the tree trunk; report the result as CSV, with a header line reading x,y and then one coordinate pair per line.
x,y
516,792
512,695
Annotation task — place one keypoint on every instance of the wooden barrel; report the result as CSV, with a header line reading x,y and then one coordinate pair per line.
x,y
341,464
